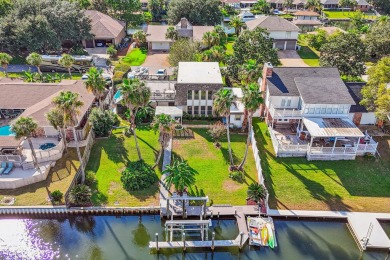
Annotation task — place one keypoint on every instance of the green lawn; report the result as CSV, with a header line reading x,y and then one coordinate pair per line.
x,y
347,14
135,57
309,55
212,166
110,156
295,183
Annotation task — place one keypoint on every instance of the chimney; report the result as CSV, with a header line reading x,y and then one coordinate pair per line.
x,y
183,23
267,70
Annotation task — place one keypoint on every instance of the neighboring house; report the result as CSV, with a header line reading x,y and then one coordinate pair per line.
x,y
361,5
246,16
358,113
276,4
155,34
106,30
306,20
247,4
308,114
283,32
237,110
233,3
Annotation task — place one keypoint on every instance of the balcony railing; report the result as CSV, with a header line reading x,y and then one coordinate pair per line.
x,y
162,96
284,112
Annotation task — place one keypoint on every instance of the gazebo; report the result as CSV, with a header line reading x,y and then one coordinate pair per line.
x,y
174,112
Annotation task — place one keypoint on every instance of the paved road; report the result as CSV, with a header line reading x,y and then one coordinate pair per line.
x,y
19,68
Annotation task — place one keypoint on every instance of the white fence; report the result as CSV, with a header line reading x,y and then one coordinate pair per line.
x,y
257,157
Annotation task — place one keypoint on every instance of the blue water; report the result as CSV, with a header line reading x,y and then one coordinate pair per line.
x,y
117,94
6,131
46,146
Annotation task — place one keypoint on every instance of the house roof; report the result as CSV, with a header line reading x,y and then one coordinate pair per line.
x,y
330,2
272,23
9,142
306,22
354,90
332,127
199,73
104,26
35,98
312,81
306,13
198,32
156,33
362,2
316,90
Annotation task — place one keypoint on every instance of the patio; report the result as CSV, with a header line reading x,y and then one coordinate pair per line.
x,y
19,177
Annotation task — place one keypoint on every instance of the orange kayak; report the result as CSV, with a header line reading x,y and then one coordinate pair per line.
x,y
264,235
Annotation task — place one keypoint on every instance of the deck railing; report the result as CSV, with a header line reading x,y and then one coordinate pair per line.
x,y
333,150
280,147
11,158
284,113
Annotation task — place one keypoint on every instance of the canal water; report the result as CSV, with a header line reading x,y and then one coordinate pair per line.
x,y
127,237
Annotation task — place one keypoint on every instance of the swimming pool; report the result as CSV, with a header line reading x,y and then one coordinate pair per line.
x,y
6,131
117,96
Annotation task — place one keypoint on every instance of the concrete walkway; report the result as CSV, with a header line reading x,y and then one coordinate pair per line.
x,y
164,191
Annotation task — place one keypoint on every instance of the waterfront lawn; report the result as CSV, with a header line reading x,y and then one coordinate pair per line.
x,y
295,183
212,166
59,178
110,156
309,55
135,57
338,14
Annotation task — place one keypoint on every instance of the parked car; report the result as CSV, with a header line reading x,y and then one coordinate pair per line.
x,y
160,74
107,77
138,72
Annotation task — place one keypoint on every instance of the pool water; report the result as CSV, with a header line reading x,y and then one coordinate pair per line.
x,y
117,95
6,131
46,146
127,237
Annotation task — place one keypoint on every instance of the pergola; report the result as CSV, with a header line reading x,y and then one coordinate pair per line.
x,y
174,112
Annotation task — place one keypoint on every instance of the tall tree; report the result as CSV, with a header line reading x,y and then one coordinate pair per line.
x,y
69,105
96,84
222,102
180,175
140,38
376,94
135,94
198,12
126,10
377,39
56,119
67,61
156,7
182,50
314,5
163,124
171,33
25,127
345,51
252,99
250,72
36,60
100,5
5,59
288,4
382,5
347,4
5,7
261,6
237,24
221,34
256,45
43,25
208,39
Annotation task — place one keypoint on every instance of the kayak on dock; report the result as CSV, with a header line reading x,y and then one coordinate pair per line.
x,y
261,231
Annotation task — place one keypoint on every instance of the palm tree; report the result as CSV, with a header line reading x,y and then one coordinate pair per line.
x,y
68,104
252,99
163,124
5,59
288,4
36,60
67,61
96,84
56,119
140,38
256,192
171,33
135,94
250,72
221,33
25,127
221,106
237,24
80,195
313,5
180,174
217,53
207,39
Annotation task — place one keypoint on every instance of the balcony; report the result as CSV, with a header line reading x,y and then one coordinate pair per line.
x,y
290,113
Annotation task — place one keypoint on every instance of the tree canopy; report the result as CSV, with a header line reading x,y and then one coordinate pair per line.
x,y
345,51
42,25
182,50
128,11
382,5
376,94
198,12
378,38
254,45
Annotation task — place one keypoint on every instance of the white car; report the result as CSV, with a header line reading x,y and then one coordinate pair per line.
x,y
107,77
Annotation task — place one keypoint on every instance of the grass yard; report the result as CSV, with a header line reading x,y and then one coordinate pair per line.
x,y
309,55
212,166
335,14
135,57
59,178
295,183
110,156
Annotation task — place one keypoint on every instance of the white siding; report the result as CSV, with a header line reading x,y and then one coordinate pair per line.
x,y
283,35
233,121
277,102
368,118
160,45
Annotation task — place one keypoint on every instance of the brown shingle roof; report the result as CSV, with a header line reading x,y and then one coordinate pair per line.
x,y
272,23
156,33
306,13
199,31
104,26
9,142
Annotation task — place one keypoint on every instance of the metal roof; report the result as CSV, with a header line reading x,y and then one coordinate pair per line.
x,y
331,127
199,73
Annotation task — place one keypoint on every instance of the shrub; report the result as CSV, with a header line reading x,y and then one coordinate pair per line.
x,y
217,131
90,178
80,195
256,192
57,195
78,50
118,77
122,66
137,176
111,50
102,121
237,176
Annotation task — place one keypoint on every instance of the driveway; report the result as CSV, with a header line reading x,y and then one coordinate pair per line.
x,y
291,58
157,60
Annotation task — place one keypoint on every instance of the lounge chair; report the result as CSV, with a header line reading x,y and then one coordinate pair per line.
x,y
3,166
9,168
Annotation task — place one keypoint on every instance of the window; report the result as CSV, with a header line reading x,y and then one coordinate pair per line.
x,y
209,110
189,95
189,110
196,110
328,110
203,95
334,109
318,110
237,117
196,94
283,102
323,110
171,104
202,110
288,102
210,95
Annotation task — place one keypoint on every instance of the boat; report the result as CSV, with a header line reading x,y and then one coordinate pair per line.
x,y
261,232
271,238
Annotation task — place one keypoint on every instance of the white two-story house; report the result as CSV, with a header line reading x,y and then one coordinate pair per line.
x,y
307,111
283,32
306,20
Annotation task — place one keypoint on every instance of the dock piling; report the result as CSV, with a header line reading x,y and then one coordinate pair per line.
x,y
212,240
235,212
211,215
241,239
184,241
157,241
